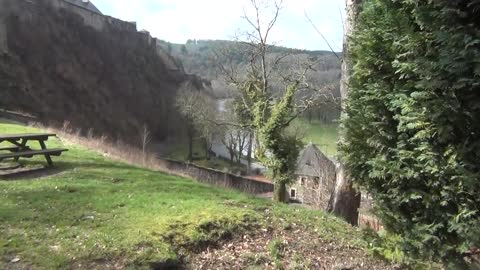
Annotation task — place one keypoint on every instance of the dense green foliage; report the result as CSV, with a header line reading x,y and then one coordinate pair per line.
x,y
412,136
278,149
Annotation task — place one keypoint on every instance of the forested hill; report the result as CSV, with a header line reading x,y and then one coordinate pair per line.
x,y
201,57
62,63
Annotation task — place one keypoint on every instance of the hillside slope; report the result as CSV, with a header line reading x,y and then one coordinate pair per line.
x,y
203,58
65,64
96,213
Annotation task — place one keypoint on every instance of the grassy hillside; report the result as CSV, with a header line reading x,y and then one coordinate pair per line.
x,y
95,213
325,136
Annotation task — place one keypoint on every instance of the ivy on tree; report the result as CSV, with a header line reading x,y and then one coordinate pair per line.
x,y
259,103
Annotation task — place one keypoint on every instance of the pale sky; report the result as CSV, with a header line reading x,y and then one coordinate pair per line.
x,y
179,20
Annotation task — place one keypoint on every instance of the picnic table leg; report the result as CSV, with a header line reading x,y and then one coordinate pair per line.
x,y
47,157
22,147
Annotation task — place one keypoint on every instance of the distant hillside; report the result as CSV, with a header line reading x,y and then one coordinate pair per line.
x,y
201,57
62,63
197,56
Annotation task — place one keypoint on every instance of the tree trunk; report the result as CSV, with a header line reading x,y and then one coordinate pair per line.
x,y
249,151
280,192
206,148
345,200
232,156
190,144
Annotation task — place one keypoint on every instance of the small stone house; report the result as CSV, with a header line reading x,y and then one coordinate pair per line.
x,y
315,178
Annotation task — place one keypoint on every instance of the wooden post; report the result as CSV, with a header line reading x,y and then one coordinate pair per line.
x,y
22,147
47,157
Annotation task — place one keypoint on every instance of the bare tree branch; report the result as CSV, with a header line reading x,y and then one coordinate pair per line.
x,y
325,39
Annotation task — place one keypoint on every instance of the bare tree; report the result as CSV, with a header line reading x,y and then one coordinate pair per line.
x,y
234,138
145,140
267,99
199,111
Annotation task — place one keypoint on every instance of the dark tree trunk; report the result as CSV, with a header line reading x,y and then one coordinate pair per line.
x,y
345,200
249,151
232,156
207,149
190,143
280,192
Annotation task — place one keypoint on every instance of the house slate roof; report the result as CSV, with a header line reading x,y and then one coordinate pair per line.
x,y
311,161
85,4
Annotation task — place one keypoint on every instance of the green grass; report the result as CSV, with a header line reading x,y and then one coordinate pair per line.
x,y
325,136
98,210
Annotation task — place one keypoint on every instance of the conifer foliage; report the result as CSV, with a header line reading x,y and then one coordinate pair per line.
x,y
412,130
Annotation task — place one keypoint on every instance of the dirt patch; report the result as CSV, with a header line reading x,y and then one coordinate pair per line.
x,y
291,247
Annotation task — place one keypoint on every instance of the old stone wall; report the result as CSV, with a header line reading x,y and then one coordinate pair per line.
x,y
3,38
17,117
314,190
95,20
218,178
3,32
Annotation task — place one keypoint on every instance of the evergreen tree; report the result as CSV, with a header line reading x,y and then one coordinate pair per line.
x,y
412,135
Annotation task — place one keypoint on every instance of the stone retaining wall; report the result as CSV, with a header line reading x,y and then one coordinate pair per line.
x,y
218,178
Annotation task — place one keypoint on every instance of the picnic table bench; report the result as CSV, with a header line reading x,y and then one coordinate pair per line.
x,y
19,148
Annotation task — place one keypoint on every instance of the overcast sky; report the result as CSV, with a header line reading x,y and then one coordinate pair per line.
x,y
179,20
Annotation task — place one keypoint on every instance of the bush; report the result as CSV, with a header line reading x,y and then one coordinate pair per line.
x,y
412,134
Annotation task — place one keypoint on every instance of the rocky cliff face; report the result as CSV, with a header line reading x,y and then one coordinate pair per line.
x,y
61,64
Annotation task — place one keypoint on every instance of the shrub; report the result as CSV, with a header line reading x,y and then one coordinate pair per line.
x,y
412,134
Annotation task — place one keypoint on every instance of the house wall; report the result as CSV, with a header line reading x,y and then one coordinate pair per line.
x,y
315,192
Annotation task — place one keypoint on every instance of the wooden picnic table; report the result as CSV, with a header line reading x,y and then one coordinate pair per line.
x,y
19,147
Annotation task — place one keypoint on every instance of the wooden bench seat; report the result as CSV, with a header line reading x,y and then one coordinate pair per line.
x,y
31,153
10,148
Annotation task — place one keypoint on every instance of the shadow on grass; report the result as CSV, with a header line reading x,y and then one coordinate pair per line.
x,y
30,173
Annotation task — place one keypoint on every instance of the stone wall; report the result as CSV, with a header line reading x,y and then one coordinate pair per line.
x,y
93,19
17,117
315,190
3,38
218,178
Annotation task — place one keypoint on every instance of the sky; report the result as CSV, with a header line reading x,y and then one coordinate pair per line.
x,y
177,21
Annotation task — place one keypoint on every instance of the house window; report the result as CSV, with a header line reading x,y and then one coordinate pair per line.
x,y
302,181
293,193
316,182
